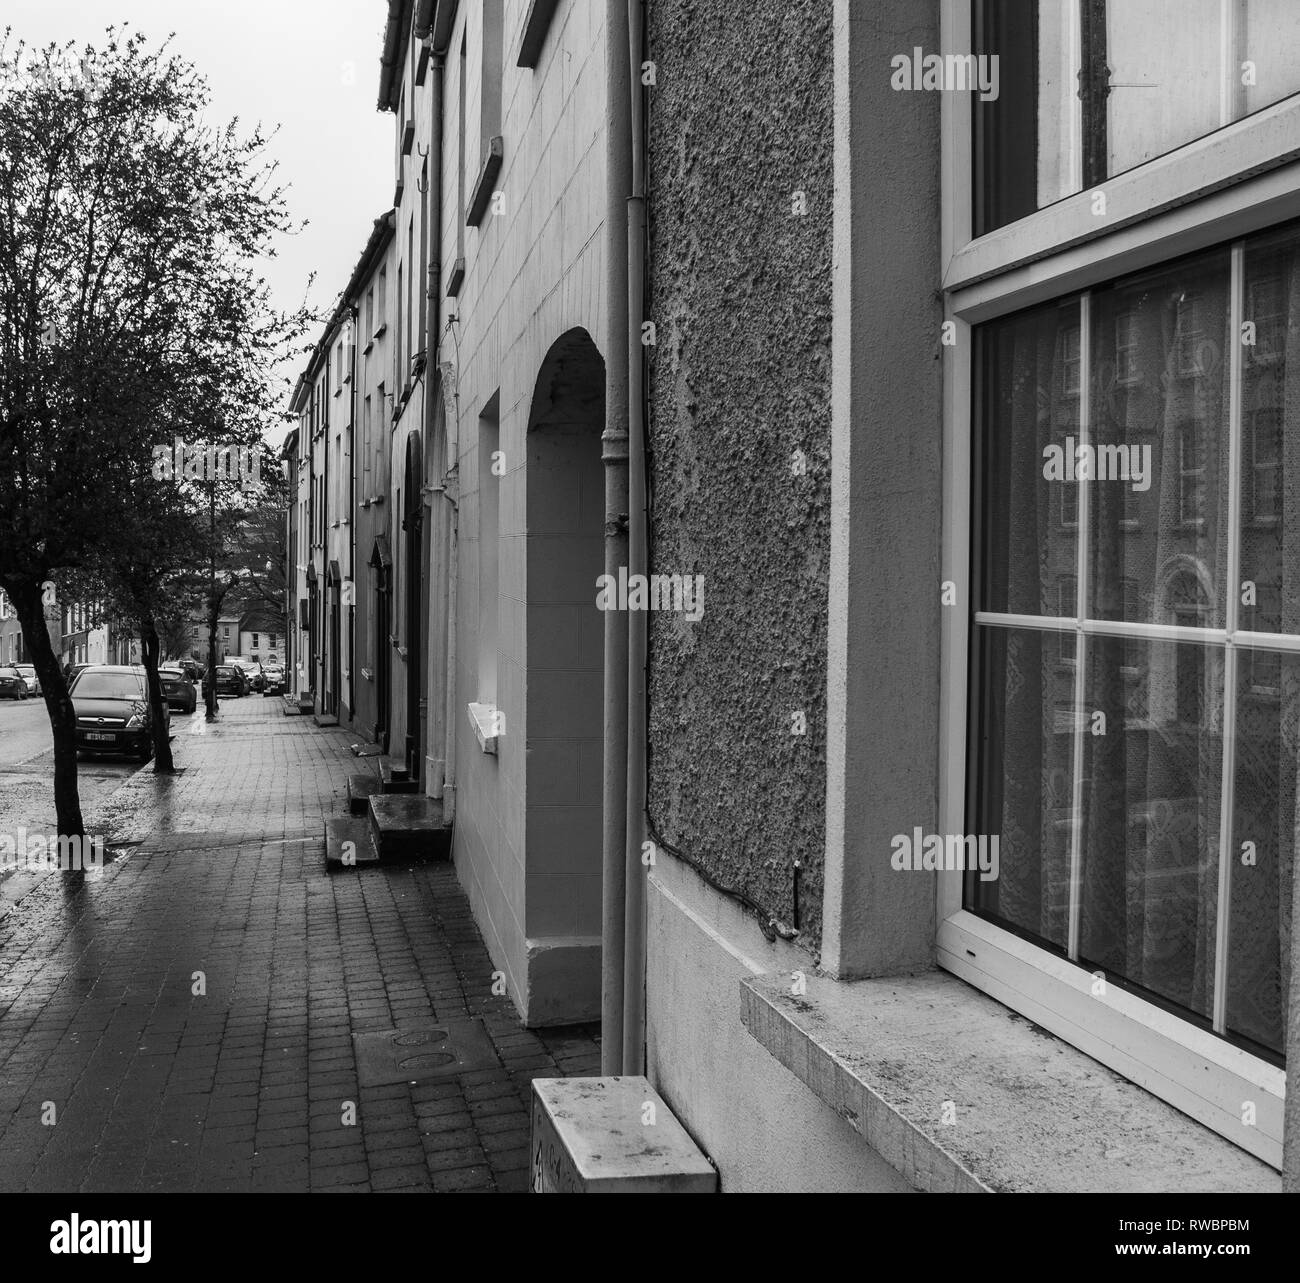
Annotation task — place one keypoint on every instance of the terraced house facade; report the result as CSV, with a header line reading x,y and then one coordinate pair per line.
x,y
769,302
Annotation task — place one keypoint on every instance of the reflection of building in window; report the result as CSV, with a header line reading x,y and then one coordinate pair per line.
x,y
1071,360
1126,348
1191,474
1189,335
1186,604
1263,668
1067,587
1069,506
1264,307
1133,660
1266,465
1132,503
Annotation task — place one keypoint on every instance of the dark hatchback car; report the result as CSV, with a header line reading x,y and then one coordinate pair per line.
x,y
231,680
12,685
112,711
178,690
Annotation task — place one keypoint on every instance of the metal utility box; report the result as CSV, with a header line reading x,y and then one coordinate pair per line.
x,y
611,1136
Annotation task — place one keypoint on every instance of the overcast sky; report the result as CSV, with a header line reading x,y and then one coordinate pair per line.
x,y
309,66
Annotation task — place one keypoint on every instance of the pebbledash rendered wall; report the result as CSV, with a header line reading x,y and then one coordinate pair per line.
x,y
740,289
741,188
533,291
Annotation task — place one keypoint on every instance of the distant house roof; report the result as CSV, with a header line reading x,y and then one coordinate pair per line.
x,y
261,620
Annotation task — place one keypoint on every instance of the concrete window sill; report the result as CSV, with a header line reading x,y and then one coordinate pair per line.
x,y
1029,1112
482,717
481,196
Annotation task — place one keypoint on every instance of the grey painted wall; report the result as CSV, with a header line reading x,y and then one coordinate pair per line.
x,y
740,290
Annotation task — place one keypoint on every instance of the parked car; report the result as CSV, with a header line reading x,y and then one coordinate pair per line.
x,y
178,690
274,681
252,672
112,710
12,685
231,680
29,676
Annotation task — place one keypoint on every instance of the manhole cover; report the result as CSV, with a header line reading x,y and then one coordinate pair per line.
x,y
422,1052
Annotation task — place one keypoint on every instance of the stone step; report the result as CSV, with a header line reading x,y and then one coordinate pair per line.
x,y
360,789
324,719
365,750
405,826
291,708
394,777
348,843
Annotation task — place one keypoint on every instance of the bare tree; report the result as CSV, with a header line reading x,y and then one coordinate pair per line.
x,y
130,234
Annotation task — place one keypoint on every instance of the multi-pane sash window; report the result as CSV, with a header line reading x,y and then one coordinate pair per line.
x,y
1135,731
1092,88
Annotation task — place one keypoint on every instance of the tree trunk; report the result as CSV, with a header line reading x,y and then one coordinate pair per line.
x,y
162,749
210,694
25,593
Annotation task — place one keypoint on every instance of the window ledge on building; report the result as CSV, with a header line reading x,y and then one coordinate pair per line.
x,y
483,188
1030,1112
482,717
456,278
532,36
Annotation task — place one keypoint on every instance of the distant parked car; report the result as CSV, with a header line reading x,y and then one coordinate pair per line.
x,y
29,676
274,681
178,690
231,680
112,709
251,670
12,685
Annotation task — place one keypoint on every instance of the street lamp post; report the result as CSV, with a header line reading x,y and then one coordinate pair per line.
x,y
210,699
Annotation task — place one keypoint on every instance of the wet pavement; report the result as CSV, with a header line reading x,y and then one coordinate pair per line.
x,y
27,788
187,1017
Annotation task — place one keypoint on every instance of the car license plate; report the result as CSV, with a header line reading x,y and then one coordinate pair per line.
x,y
100,735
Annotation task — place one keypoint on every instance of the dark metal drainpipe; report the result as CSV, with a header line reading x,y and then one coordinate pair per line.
x,y
634,954
618,187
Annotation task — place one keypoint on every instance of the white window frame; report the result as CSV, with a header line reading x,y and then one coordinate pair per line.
x,y
1242,179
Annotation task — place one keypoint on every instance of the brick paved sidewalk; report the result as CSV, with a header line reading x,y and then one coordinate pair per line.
x,y
246,1086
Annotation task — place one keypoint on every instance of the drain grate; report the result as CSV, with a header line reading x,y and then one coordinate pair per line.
x,y
420,1053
